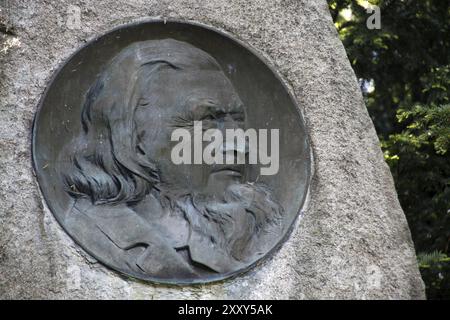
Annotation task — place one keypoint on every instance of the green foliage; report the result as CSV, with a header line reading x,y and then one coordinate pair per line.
x,y
404,72
434,267
427,259
428,125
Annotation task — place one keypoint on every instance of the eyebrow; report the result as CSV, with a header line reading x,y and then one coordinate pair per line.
x,y
211,106
207,109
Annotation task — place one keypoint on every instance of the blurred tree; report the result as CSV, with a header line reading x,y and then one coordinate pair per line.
x,y
404,73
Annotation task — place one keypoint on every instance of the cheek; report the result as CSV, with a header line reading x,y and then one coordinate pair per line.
x,y
152,134
156,144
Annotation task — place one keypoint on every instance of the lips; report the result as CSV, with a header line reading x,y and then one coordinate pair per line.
x,y
233,170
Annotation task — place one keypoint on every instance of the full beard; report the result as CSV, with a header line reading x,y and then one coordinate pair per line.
x,y
245,225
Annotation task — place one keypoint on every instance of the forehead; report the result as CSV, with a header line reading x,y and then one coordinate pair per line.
x,y
189,89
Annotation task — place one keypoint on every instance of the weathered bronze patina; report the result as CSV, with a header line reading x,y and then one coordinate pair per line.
x,y
101,150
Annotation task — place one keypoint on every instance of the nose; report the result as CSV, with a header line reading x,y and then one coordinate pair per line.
x,y
234,146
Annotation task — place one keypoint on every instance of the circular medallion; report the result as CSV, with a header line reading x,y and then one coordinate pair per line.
x,y
171,152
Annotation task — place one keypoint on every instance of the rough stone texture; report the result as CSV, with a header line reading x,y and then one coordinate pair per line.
x,y
352,240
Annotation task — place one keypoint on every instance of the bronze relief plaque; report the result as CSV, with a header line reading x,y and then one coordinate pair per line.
x,y
171,152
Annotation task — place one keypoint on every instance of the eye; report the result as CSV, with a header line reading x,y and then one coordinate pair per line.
x,y
208,117
238,116
214,115
143,102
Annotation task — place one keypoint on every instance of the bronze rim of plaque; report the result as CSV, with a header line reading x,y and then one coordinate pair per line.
x,y
101,153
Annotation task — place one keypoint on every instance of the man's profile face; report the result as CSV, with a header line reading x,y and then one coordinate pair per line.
x,y
175,99
134,180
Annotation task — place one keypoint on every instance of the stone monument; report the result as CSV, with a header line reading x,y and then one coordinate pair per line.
x,y
91,202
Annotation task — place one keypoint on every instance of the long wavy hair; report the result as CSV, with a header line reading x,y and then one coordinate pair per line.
x,y
104,164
